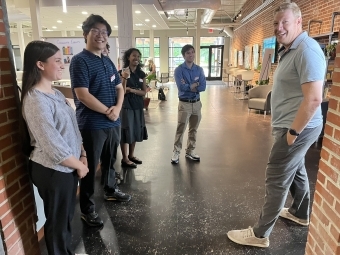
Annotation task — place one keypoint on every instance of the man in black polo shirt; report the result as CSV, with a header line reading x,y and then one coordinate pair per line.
x,y
98,95
190,81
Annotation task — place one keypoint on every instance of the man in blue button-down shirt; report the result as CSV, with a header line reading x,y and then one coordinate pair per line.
x,y
190,82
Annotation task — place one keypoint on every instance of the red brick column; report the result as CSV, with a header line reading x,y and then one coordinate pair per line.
x,y
324,230
17,210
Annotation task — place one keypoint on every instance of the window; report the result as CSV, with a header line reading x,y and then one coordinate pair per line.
x,y
143,44
175,55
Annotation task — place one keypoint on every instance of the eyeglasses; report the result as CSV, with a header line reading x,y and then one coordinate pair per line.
x,y
96,31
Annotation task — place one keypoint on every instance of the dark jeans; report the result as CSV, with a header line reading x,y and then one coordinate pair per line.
x,y
99,144
58,191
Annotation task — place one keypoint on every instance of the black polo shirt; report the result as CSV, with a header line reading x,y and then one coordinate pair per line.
x,y
100,76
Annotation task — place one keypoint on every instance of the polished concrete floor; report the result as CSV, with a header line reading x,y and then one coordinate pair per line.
x,y
188,208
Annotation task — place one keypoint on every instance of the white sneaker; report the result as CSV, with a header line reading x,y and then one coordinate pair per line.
x,y
175,157
192,156
247,237
287,215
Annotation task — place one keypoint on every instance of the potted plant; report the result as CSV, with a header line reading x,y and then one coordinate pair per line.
x,y
262,82
330,50
151,77
259,66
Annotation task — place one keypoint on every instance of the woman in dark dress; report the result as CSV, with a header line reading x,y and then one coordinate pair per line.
x,y
132,115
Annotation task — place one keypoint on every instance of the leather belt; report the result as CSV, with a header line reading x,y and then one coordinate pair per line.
x,y
189,100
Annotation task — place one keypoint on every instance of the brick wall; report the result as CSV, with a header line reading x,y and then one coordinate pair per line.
x,y
255,30
17,210
324,230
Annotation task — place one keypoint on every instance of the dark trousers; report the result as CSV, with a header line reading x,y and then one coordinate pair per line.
x,y
58,191
99,144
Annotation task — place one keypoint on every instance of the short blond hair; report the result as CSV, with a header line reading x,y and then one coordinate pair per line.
x,y
289,6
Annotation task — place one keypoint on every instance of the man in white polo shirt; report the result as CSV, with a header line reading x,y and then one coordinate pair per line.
x,y
297,123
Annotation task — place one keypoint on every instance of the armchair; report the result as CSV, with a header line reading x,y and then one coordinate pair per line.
x,y
259,98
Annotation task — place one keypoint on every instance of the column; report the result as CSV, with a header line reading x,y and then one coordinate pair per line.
x,y
35,19
125,27
198,37
21,40
152,46
64,33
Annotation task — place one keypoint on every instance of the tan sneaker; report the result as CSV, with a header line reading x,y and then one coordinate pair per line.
x,y
287,215
247,237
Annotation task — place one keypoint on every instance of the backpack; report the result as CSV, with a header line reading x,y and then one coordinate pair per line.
x,y
161,95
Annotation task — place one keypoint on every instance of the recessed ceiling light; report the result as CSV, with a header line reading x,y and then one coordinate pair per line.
x,y
59,21
115,26
54,27
147,20
153,25
137,12
78,26
84,13
139,24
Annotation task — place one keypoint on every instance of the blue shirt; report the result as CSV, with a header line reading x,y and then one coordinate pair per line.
x,y
100,76
185,76
304,62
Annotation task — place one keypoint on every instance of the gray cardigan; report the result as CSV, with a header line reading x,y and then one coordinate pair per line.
x,y
53,129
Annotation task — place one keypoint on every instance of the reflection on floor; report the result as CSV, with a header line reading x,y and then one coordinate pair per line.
x,y
188,208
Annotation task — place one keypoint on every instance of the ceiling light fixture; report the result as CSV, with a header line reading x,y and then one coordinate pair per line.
x,y
167,15
239,14
64,6
84,12
138,12
153,25
115,26
147,20
54,27
59,21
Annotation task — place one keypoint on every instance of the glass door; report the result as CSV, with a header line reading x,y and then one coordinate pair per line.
x,y
211,61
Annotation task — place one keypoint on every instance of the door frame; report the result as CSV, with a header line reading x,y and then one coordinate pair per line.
x,y
210,47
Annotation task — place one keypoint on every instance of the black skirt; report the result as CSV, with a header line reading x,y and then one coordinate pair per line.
x,y
132,126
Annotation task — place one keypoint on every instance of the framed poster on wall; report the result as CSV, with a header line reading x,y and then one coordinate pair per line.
x,y
240,58
235,58
247,57
70,46
255,56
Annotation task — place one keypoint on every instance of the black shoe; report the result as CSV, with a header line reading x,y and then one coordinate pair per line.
x,y
92,219
116,195
136,160
132,165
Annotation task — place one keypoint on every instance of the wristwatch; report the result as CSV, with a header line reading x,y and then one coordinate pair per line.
x,y
293,132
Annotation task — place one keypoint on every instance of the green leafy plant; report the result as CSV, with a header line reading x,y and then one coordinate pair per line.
x,y
259,66
330,49
151,77
262,82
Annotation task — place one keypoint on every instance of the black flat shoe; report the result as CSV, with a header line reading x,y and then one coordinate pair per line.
x,y
136,160
131,165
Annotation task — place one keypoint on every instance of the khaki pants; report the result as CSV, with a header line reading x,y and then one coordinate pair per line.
x,y
187,113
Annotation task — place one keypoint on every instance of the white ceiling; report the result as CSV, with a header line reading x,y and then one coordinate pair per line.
x,y
71,21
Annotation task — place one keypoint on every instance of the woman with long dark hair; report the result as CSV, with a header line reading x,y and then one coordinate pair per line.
x,y
132,114
57,158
